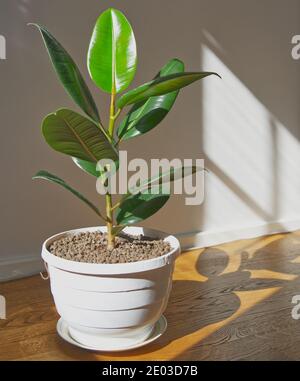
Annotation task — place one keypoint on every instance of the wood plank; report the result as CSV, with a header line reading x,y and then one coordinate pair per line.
x,y
229,302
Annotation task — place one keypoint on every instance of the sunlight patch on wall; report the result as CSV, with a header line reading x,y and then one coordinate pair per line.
x,y
254,159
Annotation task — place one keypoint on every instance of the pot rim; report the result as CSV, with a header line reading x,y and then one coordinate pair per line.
x,y
112,268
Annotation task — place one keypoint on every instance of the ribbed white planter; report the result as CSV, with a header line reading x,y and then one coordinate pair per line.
x,y
112,305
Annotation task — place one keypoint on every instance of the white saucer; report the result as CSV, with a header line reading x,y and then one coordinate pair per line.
x,y
159,328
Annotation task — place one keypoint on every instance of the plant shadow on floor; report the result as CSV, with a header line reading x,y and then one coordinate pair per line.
x,y
194,304
268,332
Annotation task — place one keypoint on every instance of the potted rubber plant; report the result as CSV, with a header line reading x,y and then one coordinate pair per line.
x,y
111,283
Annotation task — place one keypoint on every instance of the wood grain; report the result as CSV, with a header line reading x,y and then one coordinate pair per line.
x,y
229,302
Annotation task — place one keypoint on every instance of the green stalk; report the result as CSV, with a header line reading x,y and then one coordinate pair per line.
x,y
112,115
108,198
109,224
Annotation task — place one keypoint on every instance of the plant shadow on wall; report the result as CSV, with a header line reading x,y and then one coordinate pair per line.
x,y
211,295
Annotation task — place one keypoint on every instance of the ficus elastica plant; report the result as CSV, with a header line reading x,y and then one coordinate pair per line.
x,y
111,64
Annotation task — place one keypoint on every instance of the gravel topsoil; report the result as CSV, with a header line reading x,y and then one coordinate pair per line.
x,y
90,247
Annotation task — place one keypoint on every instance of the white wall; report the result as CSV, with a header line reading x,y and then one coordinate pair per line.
x,y
245,125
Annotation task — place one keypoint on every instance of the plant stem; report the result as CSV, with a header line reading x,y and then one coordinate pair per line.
x,y
109,215
108,198
112,115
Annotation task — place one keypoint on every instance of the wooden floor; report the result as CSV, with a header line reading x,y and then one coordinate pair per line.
x,y
230,302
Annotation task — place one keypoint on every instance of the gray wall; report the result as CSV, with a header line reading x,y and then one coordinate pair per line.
x,y
250,40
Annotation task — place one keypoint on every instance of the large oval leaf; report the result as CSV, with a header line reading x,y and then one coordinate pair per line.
x,y
146,115
160,86
69,74
112,52
54,179
73,134
138,207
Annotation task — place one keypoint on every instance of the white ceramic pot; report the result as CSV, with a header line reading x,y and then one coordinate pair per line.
x,y
111,304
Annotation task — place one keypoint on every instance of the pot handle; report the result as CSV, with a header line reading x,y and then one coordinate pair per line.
x,y
45,277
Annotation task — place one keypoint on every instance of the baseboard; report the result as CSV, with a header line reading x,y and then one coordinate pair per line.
x,y
21,267
194,240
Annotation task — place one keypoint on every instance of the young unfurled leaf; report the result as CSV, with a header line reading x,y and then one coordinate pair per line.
x,y
112,52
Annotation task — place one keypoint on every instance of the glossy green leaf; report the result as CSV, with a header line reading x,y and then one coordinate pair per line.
x,y
54,179
171,175
69,74
160,86
146,115
73,134
139,203
138,207
87,166
112,52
